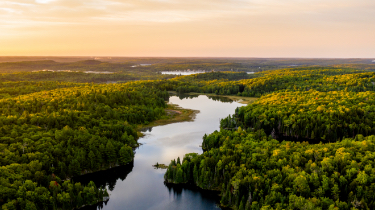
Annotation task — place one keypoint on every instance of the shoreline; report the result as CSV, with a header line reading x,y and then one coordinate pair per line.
x,y
238,99
211,193
174,114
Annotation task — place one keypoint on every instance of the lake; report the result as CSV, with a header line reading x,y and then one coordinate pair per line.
x,y
183,72
141,186
87,72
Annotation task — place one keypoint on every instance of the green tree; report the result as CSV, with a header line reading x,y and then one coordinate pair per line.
x,y
126,154
111,153
75,168
179,176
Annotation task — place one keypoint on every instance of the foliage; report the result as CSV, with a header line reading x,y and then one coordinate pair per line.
x,y
11,89
221,75
323,116
53,131
56,134
80,77
254,171
261,83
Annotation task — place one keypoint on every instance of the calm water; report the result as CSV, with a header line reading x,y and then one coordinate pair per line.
x,y
182,72
140,186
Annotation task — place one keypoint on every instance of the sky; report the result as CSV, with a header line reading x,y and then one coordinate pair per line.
x,y
188,28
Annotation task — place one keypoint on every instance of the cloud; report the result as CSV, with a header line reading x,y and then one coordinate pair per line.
x,y
164,11
44,1
167,26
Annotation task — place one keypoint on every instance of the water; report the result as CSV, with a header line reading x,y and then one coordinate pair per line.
x,y
87,72
138,65
183,72
140,186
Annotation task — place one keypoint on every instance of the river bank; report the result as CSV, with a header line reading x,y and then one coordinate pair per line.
x,y
174,114
238,99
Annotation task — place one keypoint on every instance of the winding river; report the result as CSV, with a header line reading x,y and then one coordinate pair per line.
x,y
141,186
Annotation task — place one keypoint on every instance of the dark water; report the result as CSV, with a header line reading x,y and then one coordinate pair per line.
x,y
140,186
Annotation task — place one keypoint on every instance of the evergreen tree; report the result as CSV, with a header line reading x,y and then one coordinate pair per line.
x,y
126,155
75,168
92,159
195,174
179,176
111,153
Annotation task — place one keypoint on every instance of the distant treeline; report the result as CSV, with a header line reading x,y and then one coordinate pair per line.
x,y
158,64
96,65
80,77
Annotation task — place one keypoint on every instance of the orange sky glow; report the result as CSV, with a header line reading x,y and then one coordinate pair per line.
x,y
175,28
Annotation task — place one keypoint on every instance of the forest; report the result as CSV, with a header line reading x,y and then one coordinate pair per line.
x,y
57,131
254,171
28,63
306,143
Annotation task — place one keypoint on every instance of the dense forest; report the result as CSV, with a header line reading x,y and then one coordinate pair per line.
x,y
12,89
254,171
81,77
306,143
50,136
321,116
322,119
261,83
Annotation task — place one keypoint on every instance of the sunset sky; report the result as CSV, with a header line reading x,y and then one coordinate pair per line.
x,y
173,28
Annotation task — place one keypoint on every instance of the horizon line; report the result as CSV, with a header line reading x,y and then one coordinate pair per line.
x,y
244,57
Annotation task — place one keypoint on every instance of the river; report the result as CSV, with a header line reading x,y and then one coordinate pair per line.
x,y
140,186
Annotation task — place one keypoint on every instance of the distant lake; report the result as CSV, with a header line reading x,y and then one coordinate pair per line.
x,y
143,64
87,72
183,72
140,186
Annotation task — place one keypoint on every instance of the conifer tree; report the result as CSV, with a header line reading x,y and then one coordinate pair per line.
x,y
179,176
111,153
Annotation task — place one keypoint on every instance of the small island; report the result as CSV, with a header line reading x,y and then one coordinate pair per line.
x,y
162,166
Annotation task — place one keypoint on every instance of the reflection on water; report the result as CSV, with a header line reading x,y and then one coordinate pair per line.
x,y
107,178
178,190
221,99
149,129
215,98
140,186
183,72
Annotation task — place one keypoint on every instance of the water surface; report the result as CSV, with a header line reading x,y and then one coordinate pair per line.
x,y
183,72
140,186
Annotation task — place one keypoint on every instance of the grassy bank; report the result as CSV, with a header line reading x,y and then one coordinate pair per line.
x,y
174,114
